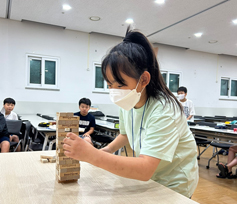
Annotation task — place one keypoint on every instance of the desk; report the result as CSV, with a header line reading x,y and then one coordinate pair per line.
x,y
35,120
25,180
211,133
106,126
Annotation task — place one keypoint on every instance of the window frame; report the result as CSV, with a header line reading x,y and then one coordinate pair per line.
x,y
43,58
98,90
229,97
168,78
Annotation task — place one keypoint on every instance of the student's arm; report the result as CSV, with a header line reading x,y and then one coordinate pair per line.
x,y
140,168
92,127
89,132
119,141
189,117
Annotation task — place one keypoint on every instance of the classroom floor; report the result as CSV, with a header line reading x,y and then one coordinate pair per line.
x,y
211,189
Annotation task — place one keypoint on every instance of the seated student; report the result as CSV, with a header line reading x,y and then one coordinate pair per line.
x,y
87,121
226,170
4,136
7,111
188,106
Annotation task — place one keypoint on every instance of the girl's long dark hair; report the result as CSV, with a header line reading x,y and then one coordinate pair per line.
x,y
132,57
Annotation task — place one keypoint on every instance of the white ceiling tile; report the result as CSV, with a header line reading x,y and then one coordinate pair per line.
x,y
148,16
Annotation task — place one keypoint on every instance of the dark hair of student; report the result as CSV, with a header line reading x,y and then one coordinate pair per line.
x,y
86,101
182,88
9,100
132,57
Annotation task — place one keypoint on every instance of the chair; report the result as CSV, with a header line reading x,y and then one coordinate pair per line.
x,y
14,128
219,145
203,142
101,140
32,142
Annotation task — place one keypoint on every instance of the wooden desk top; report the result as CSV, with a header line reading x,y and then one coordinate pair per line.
x,y
24,179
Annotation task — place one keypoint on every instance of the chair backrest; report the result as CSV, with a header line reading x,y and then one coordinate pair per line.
x,y
198,116
26,128
14,126
207,124
233,126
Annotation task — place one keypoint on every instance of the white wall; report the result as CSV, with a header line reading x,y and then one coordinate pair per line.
x,y
200,71
19,38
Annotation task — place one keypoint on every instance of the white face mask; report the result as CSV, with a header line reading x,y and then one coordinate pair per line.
x,y
181,96
125,98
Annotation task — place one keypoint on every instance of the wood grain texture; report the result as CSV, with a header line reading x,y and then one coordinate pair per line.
x,y
24,179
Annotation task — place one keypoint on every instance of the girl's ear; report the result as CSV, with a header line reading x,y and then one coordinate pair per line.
x,y
145,79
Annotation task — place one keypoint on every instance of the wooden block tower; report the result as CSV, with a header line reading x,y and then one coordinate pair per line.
x,y
67,169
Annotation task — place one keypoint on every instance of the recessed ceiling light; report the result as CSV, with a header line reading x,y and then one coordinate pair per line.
x,y
66,7
213,41
129,20
198,35
160,1
235,21
94,18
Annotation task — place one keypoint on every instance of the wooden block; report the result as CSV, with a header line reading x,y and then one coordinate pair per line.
x,y
66,162
67,170
67,181
66,166
67,118
64,134
65,114
47,157
44,160
68,126
60,154
52,160
69,174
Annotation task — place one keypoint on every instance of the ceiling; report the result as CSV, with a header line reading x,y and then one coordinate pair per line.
x,y
172,23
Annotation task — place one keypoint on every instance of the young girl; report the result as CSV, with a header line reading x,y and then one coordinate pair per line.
x,y
151,121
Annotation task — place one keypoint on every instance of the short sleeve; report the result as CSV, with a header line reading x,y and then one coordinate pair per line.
x,y
92,122
192,110
121,123
161,139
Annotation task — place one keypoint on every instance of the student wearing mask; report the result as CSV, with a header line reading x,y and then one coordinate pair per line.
x,y
151,121
187,104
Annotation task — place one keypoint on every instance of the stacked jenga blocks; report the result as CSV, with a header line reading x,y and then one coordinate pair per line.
x,y
67,169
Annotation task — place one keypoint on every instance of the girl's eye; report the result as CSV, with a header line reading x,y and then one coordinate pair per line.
x,y
120,86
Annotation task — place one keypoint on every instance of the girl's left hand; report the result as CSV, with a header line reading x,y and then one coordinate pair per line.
x,y
76,148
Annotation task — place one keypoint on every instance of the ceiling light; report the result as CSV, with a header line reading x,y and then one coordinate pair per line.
x,y
198,35
94,18
160,1
235,21
66,7
129,20
213,41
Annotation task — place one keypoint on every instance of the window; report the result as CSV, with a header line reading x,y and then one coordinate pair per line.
x,y
100,83
172,80
228,89
42,72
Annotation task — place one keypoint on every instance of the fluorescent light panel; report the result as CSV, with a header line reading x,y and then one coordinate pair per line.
x,y
66,7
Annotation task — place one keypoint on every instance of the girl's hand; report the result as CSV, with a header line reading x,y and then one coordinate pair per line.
x,y
107,149
76,148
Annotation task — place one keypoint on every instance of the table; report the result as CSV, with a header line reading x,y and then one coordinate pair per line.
x,y
35,120
223,135
25,180
107,126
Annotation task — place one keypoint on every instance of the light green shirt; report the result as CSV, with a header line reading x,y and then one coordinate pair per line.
x,y
164,135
